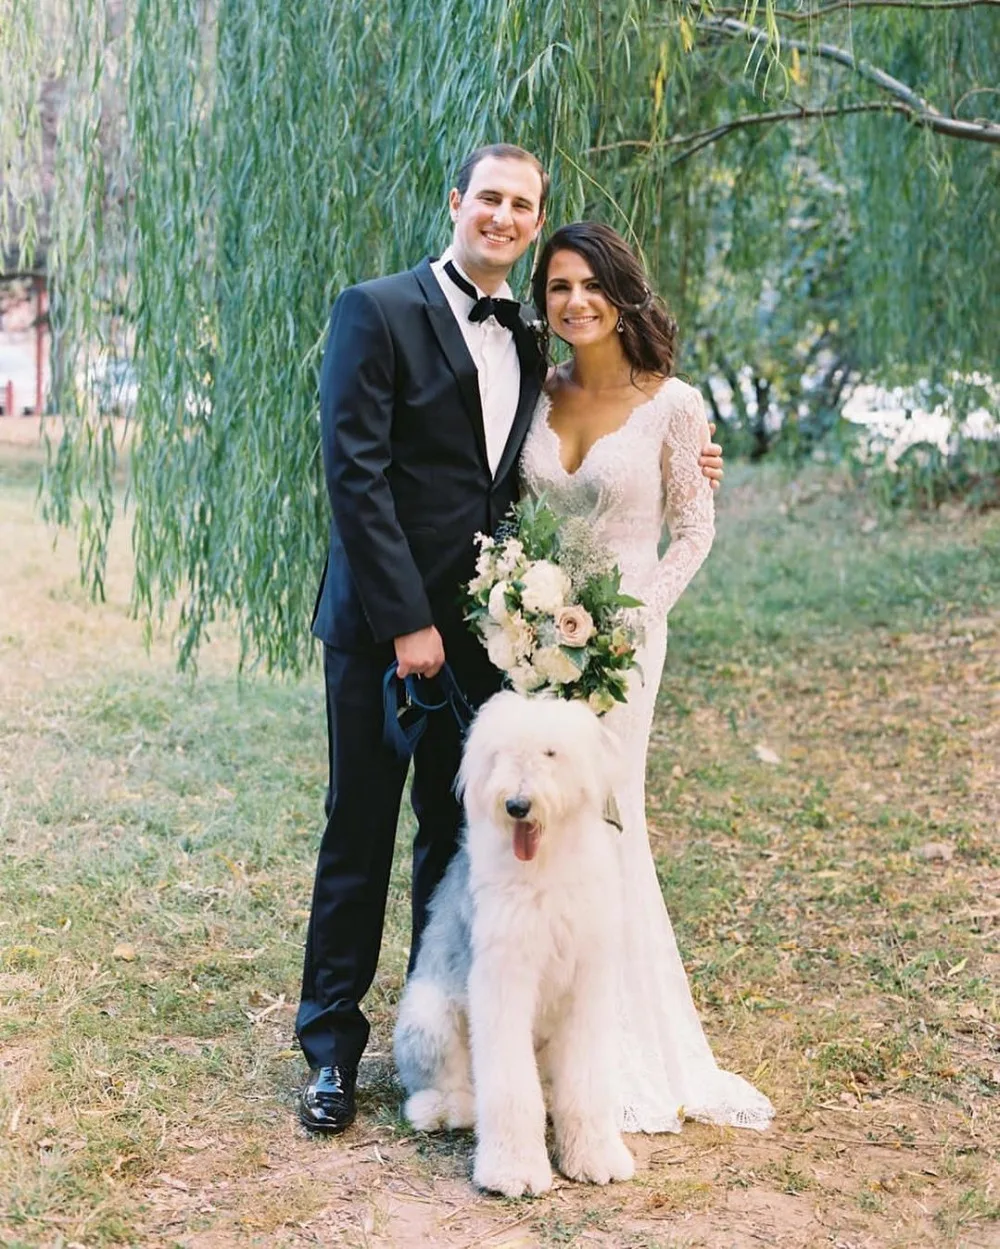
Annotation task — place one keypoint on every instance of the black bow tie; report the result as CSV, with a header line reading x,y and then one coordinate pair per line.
x,y
506,311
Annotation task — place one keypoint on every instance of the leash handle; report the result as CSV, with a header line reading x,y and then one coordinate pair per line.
x,y
406,703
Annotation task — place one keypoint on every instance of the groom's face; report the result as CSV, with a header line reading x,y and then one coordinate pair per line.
x,y
498,217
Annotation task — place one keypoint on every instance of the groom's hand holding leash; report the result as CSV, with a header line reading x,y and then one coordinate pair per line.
x,y
419,654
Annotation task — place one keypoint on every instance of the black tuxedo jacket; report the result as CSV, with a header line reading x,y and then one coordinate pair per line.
x,y
404,453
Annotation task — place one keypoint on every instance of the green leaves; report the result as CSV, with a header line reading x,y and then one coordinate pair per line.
x,y
537,527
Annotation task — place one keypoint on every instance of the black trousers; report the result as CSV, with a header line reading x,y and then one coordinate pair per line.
x,y
355,857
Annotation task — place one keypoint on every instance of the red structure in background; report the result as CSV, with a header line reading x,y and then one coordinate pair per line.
x,y
27,311
41,321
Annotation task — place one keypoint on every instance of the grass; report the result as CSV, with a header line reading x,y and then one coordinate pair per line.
x,y
836,909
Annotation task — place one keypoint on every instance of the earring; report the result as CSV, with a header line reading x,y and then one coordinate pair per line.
x,y
620,327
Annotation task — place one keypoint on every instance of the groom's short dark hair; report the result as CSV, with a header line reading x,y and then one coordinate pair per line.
x,y
502,151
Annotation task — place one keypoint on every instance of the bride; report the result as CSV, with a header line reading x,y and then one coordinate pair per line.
x,y
617,438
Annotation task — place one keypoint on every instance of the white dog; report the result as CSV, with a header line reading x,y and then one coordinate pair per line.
x,y
514,983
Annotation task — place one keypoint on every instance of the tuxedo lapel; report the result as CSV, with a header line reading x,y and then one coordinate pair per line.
x,y
449,336
531,385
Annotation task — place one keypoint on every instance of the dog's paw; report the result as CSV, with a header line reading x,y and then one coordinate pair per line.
x,y
597,1162
460,1107
426,1111
512,1174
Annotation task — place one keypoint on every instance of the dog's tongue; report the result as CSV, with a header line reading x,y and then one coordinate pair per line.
x,y
525,840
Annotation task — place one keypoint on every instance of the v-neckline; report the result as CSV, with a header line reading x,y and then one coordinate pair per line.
x,y
602,437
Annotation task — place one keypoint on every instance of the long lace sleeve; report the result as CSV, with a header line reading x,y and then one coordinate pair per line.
x,y
688,509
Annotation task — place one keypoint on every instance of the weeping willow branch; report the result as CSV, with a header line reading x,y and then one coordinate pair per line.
x,y
704,138
916,108
840,6
217,170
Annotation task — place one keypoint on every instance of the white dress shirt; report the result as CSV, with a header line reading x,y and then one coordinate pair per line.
x,y
493,352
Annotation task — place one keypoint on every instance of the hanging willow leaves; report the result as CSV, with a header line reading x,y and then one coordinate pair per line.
x,y
223,167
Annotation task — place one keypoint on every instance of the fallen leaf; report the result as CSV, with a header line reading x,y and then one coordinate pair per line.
x,y
936,851
171,1182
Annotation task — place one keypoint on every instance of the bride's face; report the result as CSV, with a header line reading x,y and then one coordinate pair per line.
x,y
575,305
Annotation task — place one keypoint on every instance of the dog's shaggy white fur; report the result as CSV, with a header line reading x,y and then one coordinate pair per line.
x,y
513,987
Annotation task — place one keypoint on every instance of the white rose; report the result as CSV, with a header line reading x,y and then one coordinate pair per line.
x,y
600,701
501,651
545,587
555,666
497,604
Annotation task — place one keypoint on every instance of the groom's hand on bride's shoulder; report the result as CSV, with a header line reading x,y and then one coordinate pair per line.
x,y
711,461
419,654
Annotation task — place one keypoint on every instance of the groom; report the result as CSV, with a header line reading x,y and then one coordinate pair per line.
x,y
427,389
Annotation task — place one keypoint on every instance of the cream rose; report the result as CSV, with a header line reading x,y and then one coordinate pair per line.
x,y
545,587
554,666
574,625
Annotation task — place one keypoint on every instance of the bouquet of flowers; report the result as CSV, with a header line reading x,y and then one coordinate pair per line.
x,y
547,604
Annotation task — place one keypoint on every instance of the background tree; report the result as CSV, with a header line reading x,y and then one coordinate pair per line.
x,y
815,191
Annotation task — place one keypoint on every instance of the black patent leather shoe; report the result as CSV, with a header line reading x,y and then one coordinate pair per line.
x,y
326,1103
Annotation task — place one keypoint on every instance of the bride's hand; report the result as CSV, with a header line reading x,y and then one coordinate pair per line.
x,y
710,462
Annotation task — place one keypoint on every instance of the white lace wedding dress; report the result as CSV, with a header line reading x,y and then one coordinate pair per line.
x,y
630,482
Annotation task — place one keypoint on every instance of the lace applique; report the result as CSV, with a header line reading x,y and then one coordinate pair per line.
x,y
631,482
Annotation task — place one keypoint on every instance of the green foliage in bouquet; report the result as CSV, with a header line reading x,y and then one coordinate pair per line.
x,y
547,604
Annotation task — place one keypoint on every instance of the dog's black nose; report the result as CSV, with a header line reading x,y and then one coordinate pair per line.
x,y
518,808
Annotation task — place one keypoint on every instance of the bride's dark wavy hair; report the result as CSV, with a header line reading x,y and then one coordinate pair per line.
x,y
649,332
